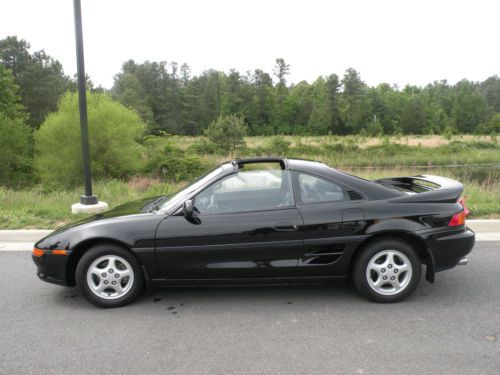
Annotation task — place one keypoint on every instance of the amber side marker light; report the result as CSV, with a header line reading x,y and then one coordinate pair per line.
x,y
40,252
37,252
59,252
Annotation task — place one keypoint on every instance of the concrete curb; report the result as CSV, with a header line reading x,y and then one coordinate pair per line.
x,y
483,226
23,235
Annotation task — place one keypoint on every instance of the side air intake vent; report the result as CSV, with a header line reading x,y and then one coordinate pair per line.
x,y
354,195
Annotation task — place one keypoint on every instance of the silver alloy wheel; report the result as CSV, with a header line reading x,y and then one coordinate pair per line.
x,y
389,272
110,277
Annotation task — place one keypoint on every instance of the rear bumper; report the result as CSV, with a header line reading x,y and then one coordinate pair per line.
x,y
52,268
449,246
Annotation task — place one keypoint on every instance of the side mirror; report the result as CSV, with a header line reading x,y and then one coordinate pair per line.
x,y
188,208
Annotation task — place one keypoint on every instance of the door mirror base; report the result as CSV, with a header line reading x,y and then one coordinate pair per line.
x,y
188,208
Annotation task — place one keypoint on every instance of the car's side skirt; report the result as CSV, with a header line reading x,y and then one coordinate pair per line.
x,y
244,281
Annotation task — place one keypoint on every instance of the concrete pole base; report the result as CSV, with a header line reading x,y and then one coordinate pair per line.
x,y
79,208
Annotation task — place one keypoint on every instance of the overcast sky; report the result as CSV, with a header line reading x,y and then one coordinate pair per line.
x,y
399,41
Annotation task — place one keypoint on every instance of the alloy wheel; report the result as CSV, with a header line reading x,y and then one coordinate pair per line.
x,y
389,272
110,277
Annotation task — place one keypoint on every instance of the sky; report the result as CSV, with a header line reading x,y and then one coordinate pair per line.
x,y
399,42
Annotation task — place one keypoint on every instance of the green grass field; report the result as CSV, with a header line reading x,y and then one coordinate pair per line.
x,y
461,158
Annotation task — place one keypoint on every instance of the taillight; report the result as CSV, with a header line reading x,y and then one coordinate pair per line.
x,y
457,219
461,200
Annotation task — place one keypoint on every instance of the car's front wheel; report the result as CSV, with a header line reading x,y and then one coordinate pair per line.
x,y
387,271
109,276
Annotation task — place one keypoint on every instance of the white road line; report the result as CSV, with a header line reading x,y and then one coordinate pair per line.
x,y
28,246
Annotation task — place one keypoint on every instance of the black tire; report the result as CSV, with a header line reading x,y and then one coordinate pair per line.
x,y
103,251
378,251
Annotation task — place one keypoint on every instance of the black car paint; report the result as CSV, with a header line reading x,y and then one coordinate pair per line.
x,y
300,242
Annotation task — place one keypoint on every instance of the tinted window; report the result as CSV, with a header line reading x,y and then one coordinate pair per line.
x,y
313,189
174,200
247,191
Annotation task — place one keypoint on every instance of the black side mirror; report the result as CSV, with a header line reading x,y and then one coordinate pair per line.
x,y
188,208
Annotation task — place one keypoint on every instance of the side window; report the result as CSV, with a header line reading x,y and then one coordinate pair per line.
x,y
247,191
314,189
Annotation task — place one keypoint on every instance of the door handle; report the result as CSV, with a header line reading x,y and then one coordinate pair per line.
x,y
286,227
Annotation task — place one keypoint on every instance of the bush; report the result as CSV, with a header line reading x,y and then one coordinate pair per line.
x,y
227,132
449,132
204,146
278,145
15,151
171,163
114,133
491,127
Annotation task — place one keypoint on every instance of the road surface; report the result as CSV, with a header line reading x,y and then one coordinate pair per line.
x,y
451,327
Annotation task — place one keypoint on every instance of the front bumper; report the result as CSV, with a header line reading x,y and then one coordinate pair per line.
x,y
449,246
52,267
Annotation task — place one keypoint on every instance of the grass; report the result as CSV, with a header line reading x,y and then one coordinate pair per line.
x,y
366,157
34,208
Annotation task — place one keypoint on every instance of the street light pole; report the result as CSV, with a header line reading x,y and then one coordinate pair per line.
x,y
88,198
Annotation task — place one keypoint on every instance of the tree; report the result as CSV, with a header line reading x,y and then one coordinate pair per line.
x,y
355,106
15,151
227,132
491,127
129,91
413,119
491,91
40,78
332,90
281,70
233,100
15,135
114,133
469,107
10,105
14,54
320,119
262,102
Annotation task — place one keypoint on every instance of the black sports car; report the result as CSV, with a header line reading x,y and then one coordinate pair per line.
x,y
290,220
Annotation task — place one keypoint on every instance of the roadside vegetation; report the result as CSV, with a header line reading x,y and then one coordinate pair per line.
x,y
159,127
169,162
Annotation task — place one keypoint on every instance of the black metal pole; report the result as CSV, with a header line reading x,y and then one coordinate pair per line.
x,y
88,198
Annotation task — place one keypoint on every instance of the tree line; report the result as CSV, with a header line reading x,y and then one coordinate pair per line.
x,y
169,99
172,100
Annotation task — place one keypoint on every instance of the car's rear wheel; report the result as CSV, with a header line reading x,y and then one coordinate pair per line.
x,y
109,276
387,271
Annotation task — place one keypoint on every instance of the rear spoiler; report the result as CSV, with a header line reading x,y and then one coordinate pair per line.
x,y
425,189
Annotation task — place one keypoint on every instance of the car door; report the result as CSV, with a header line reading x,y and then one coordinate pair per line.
x,y
244,226
333,224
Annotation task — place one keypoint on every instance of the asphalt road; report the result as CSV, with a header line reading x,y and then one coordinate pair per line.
x,y
451,327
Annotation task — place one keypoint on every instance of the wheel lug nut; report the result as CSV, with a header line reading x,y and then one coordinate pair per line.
x,y
384,278
105,282
392,277
113,282
389,266
383,270
110,270
395,271
117,276
104,275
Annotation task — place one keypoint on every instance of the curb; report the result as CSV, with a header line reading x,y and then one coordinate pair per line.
x,y
23,235
483,225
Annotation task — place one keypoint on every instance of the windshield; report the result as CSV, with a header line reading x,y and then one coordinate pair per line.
x,y
173,200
